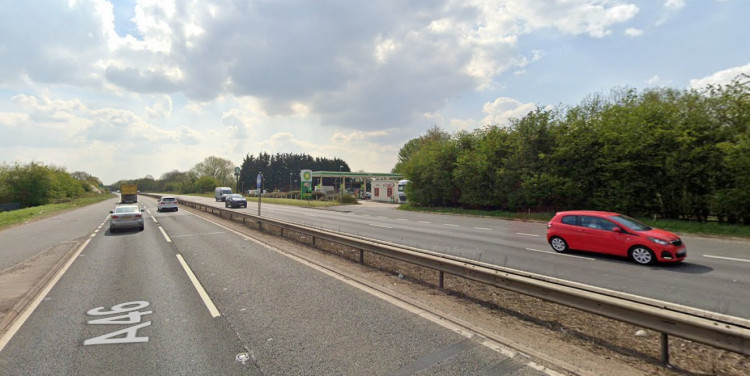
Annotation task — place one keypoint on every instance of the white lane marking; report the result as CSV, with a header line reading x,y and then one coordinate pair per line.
x,y
450,224
198,287
423,222
374,225
560,254
401,219
483,228
165,235
727,258
21,319
381,217
205,233
524,234
355,282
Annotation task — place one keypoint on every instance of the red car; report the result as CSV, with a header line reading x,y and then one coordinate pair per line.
x,y
613,234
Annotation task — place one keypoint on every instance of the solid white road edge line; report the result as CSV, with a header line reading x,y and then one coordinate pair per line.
x,y
521,233
727,258
21,319
198,287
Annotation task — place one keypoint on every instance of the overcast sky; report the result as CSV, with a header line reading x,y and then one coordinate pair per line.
x,y
128,88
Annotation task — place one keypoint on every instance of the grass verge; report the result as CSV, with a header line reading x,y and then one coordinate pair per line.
x,y
15,217
674,225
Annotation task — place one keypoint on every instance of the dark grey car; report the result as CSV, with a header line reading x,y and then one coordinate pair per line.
x,y
235,200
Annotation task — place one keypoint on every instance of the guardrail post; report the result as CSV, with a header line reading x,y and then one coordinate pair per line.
x,y
664,349
441,278
362,256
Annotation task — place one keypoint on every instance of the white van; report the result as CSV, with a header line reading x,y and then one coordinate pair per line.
x,y
220,192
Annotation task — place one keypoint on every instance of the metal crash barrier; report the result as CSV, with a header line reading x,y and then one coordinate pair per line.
x,y
713,329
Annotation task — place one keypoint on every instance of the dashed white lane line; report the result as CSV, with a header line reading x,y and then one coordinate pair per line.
x,y
524,234
165,234
205,233
401,219
727,258
560,254
382,226
201,291
450,225
483,228
423,222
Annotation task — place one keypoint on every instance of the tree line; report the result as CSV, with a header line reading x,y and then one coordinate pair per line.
x,y
279,173
682,154
35,184
281,170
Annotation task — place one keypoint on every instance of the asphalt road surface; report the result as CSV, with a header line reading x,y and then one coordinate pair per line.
x,y
186,296
713,277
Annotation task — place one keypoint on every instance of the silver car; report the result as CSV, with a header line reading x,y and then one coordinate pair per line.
x,y
126,216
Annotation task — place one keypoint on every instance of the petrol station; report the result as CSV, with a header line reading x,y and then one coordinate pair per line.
x,y
383,186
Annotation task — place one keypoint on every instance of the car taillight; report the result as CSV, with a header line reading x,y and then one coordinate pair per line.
x,y
115,217
549,225
137,215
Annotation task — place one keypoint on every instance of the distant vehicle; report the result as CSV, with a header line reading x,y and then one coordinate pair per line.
x,y
402,191
125,216
254,192
613,234
128,193
166,203
221,192
235,200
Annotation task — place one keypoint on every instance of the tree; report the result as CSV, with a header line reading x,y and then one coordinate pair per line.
x,y
222,170
205,184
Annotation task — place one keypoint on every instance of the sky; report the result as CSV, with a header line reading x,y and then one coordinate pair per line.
x,y
125,89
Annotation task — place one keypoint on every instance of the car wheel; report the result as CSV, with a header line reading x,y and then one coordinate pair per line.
x,y
558,244
245,206
140,228
642,255
111,230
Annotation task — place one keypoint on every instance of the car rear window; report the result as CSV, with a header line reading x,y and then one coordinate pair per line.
x,y
169,199
569,219
126,209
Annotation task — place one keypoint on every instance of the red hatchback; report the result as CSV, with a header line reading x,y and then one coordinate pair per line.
x,y
613,234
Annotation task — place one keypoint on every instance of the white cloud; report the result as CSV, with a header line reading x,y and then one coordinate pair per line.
x,y
633,32
722,77
503,109
674,4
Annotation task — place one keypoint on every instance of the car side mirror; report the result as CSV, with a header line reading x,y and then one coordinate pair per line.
x,y
111,212
616,229
143,210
